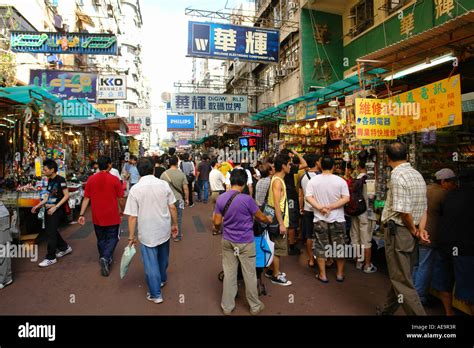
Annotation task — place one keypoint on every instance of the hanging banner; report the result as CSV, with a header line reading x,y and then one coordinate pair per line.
x,y
112,87
180,123
227,41
209,103
60,43
373,120
134,129
66,84
301,111
436,105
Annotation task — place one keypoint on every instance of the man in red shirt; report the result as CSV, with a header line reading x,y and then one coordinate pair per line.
x,y
105,193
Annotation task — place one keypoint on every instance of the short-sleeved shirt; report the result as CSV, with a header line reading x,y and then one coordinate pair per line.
x,y
307,176
406,194
225,168
249,176
187,168
326,190
134,176
149,200
176,179
261,190
435,195
104,190
216,180
204,169
55,189
238,220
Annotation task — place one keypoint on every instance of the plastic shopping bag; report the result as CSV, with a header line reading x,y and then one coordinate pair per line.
x,y
265,249
127,256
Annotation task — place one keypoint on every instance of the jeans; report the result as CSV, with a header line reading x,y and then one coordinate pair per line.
x,y
55,241
191,193
179,204
107,239
155,262
204,190
422,272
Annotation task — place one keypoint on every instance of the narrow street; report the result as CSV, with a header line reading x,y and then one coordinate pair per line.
x,y
193,287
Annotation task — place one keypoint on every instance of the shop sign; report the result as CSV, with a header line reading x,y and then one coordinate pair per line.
x,y
66,84
209,103
108,110
227,41
134,129
112,87
373,120
252,132
303,110
140,113
60,43
180,123
439,103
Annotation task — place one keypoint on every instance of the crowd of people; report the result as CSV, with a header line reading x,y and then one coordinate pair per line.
x,y
427,243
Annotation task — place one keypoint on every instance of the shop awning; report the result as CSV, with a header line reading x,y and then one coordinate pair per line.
x,y
323,95
79,112
25,95
113,124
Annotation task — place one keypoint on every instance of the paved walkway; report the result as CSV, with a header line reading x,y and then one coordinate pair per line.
x,y
74,285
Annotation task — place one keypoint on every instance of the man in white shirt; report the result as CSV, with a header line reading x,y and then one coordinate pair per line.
x,y
327,194
249,188
217,183
151,204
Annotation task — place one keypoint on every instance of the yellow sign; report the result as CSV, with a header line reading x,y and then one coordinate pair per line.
x,y
109,110
438,104
407,24
373,120
134,147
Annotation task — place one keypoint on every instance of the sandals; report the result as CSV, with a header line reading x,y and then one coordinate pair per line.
x,y
216,232
325,281
311,266
340,280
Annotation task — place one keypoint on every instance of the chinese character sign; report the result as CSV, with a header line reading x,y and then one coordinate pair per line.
x,y
439,105
66,84
209,103
69,43
108,110
251,132
373,121
226,41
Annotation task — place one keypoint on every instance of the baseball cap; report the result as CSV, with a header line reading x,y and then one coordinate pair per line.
x,y
444,174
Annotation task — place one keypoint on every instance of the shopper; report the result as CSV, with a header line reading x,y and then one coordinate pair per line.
x,y
293,201
277,199
261,189
362,226
217,183
179,185
436,194
307,212
133,172
187,166
454,256
54,201
405,208
203,171
159,167
248,188
327,194
237,211
151,205
105,193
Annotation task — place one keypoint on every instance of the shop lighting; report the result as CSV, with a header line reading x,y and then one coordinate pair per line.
x,y
45,128
322,117
10,141
106,141
296,125
6,119
308,126
315,124
325,125
70,132
427,64
78,133
338,124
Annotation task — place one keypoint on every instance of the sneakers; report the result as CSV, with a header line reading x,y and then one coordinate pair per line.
x,y
177,239
370,269
261,308
269,274
163,284
46,262
192,205
104,267
6,284
281,280
154,300
359,265
65,252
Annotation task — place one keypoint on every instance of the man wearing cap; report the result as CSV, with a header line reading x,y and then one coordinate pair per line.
x,y
436,194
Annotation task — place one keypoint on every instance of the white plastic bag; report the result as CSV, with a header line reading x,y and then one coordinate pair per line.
x,y
127,256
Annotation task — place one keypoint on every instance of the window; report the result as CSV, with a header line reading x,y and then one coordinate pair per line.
x,y
394,5
362,17
289,53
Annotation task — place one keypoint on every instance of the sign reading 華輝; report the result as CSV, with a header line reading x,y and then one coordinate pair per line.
x,y
227,41
60,43
112,87
66,84
209,103
180,123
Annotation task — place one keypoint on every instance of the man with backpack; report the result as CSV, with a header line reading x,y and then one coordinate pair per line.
x,y
362,225
187,167
306,210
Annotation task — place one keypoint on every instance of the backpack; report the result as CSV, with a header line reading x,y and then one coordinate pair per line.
x,y
357,204
190,176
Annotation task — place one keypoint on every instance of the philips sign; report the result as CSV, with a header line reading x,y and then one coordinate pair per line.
x,y
180,123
